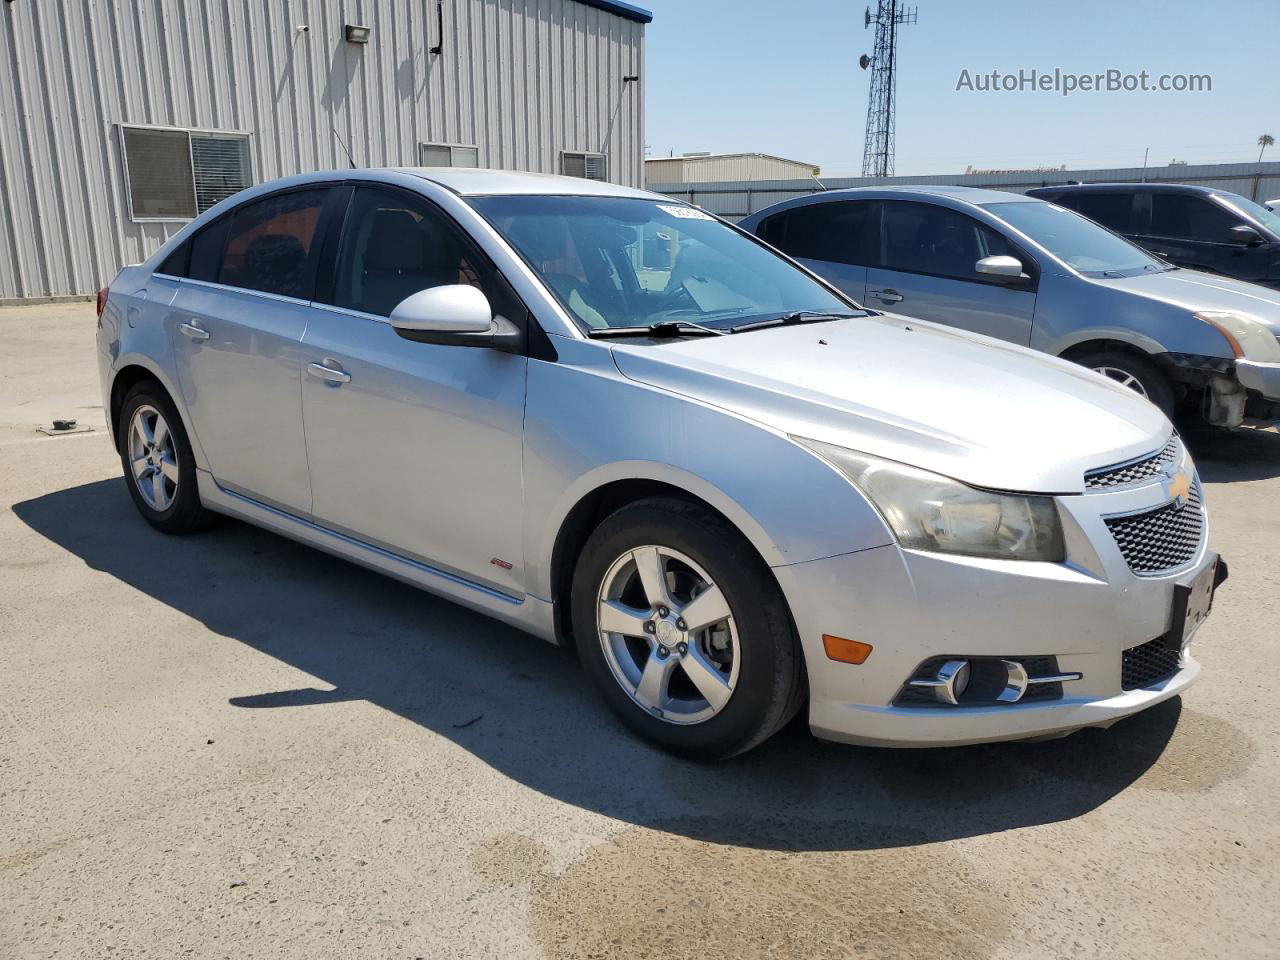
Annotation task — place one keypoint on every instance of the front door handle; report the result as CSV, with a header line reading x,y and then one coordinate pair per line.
x,y
888,295
193,330
334,374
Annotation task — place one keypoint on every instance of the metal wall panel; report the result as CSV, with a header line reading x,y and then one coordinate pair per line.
x,y
742,166
735,199
522,80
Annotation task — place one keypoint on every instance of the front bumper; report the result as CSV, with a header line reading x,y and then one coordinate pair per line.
x,y
1261,377
911,606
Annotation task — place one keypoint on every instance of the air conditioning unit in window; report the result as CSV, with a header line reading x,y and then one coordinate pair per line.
x,y
589,166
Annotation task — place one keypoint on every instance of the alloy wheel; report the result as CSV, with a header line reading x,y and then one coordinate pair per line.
x,y
668,634
1124,378
152,458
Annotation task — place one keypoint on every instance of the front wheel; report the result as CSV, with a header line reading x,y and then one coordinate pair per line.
x,y
683,630
1130,370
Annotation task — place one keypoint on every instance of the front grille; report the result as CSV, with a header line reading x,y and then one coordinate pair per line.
x,y
1136,471
1160,539
1148,664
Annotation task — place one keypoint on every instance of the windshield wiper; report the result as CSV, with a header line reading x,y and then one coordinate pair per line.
x,y
795,317
665,329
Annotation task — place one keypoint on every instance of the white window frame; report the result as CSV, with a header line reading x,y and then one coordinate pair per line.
x,y
451,147
128,183
585,154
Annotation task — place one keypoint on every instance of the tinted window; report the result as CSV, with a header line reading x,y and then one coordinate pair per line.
x,y
1112,210
1183,216
394,245
271,243
207,247
833,232
175,264
923,238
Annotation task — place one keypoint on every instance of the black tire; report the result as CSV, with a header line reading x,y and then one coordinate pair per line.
x,y
184,514
770,684
1155,385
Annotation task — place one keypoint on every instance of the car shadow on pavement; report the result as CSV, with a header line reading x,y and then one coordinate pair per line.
x,y
1227,456
524,708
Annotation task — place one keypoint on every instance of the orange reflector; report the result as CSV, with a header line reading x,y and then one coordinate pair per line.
x,y
845,651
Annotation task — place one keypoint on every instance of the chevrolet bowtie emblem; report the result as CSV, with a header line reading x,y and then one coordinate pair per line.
x,y
1179,487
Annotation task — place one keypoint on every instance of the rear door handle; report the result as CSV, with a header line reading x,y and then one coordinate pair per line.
x,y
887,295
193,330
322,371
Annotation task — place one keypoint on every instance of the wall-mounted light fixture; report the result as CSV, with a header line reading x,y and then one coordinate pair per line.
x,y
356,33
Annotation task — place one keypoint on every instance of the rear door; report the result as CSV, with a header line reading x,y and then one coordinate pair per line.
x,y
927,268
830,238
1112,209
413,447
236,325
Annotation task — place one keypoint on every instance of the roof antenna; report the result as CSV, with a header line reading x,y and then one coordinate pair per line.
x,y
350,159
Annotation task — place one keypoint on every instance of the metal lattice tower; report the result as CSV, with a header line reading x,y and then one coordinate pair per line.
x,y
877,151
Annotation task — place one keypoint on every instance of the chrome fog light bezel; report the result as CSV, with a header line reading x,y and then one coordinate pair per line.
x,y
984,681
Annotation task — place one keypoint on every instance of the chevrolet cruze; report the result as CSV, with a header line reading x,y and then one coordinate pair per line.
x,y
614,421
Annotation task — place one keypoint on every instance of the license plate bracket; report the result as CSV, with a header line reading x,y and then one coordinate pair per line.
x,y
1193,600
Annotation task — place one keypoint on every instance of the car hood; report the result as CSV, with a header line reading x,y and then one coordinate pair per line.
x,y
975,409
1206,291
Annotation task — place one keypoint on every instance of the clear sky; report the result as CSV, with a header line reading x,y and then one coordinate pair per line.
x,y
783,78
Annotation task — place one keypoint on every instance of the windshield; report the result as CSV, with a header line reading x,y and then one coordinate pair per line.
x,y
1077,241
1268,218
621,262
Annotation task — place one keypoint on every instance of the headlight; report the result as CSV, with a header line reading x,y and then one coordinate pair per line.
x,y
1248,338
927,511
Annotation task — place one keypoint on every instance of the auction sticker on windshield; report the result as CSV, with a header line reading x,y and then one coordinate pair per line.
x,y
685,213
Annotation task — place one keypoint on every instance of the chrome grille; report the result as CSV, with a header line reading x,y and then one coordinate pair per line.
x,y
1161,539
1135,471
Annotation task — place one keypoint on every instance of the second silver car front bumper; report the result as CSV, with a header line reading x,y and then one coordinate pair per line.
x,y
1262,377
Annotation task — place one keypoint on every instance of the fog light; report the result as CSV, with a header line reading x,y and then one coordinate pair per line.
x,y
949,683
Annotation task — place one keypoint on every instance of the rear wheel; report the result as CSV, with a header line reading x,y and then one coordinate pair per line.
x,y
683,630
158,464
1130,370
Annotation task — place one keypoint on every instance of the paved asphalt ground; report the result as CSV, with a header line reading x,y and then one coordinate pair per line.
x,y
233,746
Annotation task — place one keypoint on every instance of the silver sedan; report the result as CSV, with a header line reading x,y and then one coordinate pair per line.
x,y
612,420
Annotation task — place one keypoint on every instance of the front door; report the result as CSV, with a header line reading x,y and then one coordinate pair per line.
x,y
236,324
1193,231
927,269
415,448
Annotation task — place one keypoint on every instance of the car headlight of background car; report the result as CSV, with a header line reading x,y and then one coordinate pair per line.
x,y
1249,338
927,511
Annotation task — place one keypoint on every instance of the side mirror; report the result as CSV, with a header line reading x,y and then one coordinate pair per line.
x,y
454,315
1245,235
1001,267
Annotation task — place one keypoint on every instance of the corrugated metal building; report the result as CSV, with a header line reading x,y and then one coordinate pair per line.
x,y
122,119
735,199
702,167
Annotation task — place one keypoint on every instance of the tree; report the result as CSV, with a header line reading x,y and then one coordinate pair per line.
x,y
1264,141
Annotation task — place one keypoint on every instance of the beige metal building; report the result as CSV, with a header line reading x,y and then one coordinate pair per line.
x,y
121,120
703,167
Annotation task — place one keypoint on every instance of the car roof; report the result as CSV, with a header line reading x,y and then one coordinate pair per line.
x,y
1121,187
948,196
477,181
967,194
